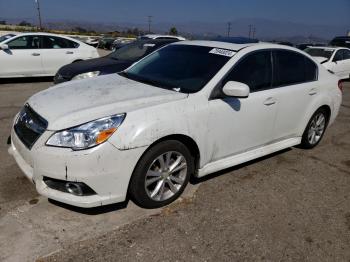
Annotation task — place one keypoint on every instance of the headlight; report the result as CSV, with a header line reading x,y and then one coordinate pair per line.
x,y
87,135
86,75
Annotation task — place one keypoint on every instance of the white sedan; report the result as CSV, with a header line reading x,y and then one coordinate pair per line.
x,y
335,59
40,54
189,109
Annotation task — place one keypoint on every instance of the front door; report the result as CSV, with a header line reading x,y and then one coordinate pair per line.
x,y
23,58
237,125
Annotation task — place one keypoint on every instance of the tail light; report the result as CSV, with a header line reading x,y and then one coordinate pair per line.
x,y
340,85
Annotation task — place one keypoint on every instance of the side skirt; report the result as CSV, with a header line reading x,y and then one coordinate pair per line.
x,y
247,156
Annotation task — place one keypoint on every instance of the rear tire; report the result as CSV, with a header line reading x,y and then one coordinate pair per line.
x,y
161,174
315,129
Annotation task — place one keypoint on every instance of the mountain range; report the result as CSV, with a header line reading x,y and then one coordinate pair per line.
x,y
265,29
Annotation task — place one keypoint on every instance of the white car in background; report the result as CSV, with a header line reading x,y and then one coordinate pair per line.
x,y
335,59
188,109
40,54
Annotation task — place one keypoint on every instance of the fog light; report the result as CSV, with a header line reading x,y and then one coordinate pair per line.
x,y
74,189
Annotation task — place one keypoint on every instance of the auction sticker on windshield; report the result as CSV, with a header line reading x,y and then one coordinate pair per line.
x,y
224,52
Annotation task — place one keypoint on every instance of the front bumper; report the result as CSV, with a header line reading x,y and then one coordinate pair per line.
x,y
106,169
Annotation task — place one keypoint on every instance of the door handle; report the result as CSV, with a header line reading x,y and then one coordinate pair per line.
x,y
313,91
69,52
35,54
270,101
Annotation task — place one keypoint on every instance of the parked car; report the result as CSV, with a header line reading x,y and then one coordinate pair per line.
x,y
145,131
106,43
335,59
112,63
286,43
154,36
40,54
119,43
93,41
5,37
342,41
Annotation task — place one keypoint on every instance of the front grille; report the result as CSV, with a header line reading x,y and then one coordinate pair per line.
x,y
29,126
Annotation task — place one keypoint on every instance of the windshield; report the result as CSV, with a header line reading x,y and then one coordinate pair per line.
x,y
132,52
182,68
5,37
327,53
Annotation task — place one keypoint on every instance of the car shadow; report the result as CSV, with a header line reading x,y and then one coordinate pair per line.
x,y
197,180
194,181
93,210
24,80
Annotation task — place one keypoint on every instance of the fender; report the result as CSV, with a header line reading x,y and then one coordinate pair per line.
x,y
143,127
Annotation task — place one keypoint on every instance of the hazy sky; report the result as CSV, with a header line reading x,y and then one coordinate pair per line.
x,y
335,12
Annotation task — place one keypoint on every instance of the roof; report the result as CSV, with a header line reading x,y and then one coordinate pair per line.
x,y
49,34
327,47
154,36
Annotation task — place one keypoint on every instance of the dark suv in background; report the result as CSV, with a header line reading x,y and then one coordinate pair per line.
x,y
114,62
343,41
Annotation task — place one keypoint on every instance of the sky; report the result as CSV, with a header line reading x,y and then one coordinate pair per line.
x,y
311,12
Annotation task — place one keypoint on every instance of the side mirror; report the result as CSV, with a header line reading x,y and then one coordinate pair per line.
x,y
236,89
4,47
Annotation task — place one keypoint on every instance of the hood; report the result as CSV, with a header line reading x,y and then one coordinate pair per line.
x,y
77,102
321,59
102,64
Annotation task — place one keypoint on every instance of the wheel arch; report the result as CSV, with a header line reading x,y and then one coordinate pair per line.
x,y
188,141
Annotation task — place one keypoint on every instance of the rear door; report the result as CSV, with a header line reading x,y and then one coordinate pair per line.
x,y
296,87
57,52
23,58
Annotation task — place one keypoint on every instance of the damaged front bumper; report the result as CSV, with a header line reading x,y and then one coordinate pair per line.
x,y
104,168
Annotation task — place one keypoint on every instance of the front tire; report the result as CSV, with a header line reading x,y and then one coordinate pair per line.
x,y
161,174
315,129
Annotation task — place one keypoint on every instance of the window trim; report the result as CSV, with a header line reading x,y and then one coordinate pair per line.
x,y
217,92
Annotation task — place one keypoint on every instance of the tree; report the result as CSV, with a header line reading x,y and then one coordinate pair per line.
x,y
3,22
173,31
24,23
79,29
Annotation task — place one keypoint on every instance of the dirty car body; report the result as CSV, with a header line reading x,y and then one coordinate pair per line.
x,y
213,113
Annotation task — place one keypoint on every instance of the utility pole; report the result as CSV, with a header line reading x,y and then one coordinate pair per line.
x,y
228,29
39,15
254,31
149,23
250,31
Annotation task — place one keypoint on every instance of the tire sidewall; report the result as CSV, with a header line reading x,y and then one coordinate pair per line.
x,y
305,141
137,189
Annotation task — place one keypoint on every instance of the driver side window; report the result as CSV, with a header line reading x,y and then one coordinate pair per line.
x,y
338,56
25,42
254,70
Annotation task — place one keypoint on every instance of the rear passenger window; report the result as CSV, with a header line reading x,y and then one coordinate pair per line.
x,y
58,42
293,68
254,70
